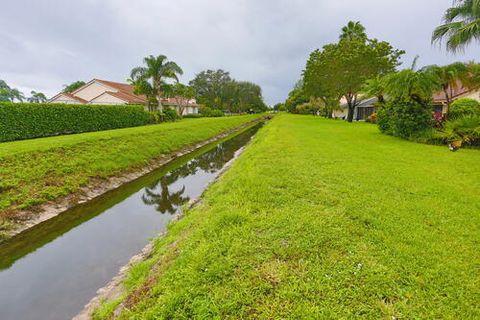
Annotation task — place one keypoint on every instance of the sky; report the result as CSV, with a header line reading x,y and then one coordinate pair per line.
x,y
46,44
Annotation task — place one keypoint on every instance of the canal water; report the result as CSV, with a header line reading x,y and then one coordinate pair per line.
x,y
51,271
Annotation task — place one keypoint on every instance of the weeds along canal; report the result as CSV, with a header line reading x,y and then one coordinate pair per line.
x,y
53,269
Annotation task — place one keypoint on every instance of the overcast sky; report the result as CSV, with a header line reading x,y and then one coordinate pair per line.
x,y
48,43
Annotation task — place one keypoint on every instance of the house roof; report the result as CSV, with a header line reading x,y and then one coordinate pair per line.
x,y
362,104
454,93
67,94
122,96
174,101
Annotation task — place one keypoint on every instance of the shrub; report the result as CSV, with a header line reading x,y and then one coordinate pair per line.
x,y
404,118
216,113
462,131
306,108
429,136
463,107
209,112
32,120
193,115
168,115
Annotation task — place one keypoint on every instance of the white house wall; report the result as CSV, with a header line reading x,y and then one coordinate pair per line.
x,y
64,99
93,90
107,99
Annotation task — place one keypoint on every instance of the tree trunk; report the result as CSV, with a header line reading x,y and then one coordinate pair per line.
x,y
160,106
447,97
351,110
351,102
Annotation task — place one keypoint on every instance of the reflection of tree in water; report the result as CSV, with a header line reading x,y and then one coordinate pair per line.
x,y
211,161
165,201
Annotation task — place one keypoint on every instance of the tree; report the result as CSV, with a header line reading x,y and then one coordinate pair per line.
x,y
8,94
69,88
217,90
353,30
157,71
450,77
341,69
183,95
210,87
37,97
461,25
296,96
375,88
408,109
411,85
142,86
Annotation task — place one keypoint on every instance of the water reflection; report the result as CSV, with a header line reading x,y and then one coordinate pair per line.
x,y
167,196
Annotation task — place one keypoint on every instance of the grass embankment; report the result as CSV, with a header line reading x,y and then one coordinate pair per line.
x,y
322,219
35,171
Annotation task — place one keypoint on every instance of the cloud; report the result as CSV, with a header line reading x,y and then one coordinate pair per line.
x,y
55,42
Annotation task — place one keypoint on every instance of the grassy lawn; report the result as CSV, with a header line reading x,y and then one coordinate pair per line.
x,y
39,170
321,219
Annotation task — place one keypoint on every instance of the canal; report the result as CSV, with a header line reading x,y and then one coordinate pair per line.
x,y
53,269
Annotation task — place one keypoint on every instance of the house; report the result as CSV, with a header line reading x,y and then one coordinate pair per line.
x,y
364,109
439,99
99,91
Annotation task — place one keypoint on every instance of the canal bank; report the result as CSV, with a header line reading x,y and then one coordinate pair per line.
x,y
30,217
55,278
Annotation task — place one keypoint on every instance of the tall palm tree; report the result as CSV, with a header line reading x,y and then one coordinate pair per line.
x,y
353,30
461,25
156,71
450,78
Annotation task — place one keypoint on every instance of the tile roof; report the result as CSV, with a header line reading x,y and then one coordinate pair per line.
x,y
70,96
125,91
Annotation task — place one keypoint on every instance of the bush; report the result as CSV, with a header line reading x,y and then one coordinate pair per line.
x,y
306,108
464,107
32,120
429,136
462,131
168,115
209,112
404,118
216,113
193,115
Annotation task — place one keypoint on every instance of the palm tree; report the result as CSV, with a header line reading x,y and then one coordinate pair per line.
x,y
157,70
461,25
10,94
450,78
353,30
410,84
37,97
375,88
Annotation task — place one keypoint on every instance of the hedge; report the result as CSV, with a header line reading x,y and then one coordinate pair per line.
x,y
32,120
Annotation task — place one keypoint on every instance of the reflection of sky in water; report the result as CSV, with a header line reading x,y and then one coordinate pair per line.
x,y
58,279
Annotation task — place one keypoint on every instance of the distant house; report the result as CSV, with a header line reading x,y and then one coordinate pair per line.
x,y
440,100
99,91
362,111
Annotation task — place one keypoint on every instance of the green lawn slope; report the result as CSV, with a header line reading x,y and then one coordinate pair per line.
x,y
322,219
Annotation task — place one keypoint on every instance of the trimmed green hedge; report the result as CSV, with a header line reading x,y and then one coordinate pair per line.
x,y
32,120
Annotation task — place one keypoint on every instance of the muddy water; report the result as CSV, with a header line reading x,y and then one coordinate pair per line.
x,y
52,270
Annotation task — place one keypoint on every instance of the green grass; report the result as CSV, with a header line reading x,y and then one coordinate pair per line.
x,y
322,219
35,171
